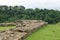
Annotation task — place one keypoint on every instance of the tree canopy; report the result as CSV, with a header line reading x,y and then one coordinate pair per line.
x,y
10,13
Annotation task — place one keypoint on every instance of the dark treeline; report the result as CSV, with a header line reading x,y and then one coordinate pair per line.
x,y
10,13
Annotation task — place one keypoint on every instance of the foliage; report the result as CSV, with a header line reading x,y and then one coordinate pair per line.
x,y
12,13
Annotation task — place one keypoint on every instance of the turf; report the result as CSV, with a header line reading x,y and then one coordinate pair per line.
x,y
6,27
49,32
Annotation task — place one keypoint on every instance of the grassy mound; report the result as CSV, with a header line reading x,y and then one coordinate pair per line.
x,y
6,27
49,32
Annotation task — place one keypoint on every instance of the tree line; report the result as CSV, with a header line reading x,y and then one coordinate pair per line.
x,y
12,13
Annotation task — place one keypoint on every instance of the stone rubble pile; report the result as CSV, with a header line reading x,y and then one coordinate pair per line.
x,y
22,30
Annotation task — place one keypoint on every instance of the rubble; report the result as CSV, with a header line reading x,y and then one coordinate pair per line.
x,y
22,30
7,24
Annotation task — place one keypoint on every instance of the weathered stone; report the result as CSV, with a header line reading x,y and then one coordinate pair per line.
x,y
23,28
7,24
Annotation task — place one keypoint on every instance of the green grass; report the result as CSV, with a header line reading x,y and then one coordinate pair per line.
x,y
49,32
6,27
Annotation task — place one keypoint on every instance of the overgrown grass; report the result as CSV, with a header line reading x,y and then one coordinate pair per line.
x,y
6,27
49,32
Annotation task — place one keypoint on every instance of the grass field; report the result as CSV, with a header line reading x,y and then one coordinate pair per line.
x,y
6,27
49,32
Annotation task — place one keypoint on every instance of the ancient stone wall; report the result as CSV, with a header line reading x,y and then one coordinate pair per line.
x,y
7,24
22,30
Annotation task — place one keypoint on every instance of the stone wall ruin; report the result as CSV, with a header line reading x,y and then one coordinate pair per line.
x,y
22,30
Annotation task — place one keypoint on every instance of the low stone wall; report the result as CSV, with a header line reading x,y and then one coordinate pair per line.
x,y
7,24
23,29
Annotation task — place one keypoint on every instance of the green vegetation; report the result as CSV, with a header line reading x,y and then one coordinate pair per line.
x,y
12,13
6,27
49,32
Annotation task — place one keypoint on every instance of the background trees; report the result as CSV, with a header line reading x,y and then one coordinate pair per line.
x,y
12,13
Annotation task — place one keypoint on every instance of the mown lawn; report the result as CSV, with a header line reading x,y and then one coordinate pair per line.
x,y
49,32
6,27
